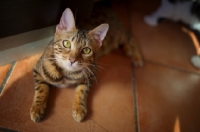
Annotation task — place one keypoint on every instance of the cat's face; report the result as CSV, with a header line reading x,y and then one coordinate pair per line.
x,y
75,49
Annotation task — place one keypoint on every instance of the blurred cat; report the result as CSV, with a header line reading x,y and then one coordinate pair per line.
x,y
186,11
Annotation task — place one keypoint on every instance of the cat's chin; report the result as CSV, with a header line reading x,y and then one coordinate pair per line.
x,y
73,69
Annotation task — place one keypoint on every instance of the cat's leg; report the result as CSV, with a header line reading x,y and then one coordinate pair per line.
x,y
132,50
40,98
79,106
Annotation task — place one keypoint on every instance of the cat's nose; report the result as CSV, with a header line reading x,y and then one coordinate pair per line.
x,y
72,60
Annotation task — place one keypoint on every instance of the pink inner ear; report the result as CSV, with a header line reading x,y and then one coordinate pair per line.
x,y
98,40
67,22
59,28
99,34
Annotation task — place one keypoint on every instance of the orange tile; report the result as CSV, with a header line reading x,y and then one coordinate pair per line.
x,y
21,68
3,72
112,99
110,102
166,43
167,99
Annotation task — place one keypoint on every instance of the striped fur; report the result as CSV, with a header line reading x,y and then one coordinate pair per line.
x,y
48,71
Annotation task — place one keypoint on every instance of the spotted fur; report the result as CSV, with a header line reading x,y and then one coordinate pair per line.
x,y
64,67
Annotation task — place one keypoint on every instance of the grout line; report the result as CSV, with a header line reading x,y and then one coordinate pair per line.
x,y
6,130
129,11
135,102
173,67
98,125
135,86
7,76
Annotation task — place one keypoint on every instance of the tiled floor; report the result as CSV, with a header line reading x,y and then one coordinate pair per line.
x,y
163,96
110,102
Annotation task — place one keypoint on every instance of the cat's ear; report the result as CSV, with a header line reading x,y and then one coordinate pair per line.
x,y
99,34
67,22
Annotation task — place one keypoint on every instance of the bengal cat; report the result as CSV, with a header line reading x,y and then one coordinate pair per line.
x,y
69,60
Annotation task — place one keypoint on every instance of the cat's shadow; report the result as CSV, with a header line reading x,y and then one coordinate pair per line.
x,y
95,90
90,102
53,95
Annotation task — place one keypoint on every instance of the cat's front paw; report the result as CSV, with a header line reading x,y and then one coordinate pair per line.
x,y
37,112
79,113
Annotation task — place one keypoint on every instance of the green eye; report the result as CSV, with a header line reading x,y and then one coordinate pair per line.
x,y
86,50
66,44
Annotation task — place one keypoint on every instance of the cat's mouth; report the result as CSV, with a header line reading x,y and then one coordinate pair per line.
x,y
66,64
73,66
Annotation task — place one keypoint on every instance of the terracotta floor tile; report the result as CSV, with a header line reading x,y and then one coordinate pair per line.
x,y
110,103
166,43
168,100
3,72
22,67
112,100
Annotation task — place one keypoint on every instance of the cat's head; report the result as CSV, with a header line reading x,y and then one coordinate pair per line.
x,y
74,48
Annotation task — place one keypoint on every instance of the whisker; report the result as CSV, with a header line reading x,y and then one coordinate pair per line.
x,y
92,74
97,66
102,64
93,65
86,76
